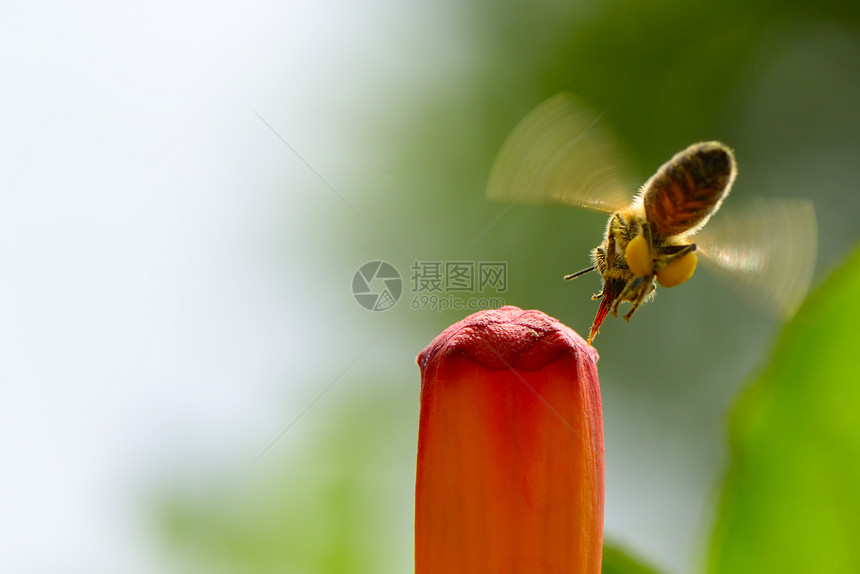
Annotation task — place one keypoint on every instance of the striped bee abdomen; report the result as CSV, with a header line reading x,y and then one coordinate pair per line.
x,y
689,188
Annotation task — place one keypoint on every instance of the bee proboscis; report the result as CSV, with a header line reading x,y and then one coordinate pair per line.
x,y
560,152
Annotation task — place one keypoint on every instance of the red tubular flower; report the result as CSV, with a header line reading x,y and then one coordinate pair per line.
x,y
510,449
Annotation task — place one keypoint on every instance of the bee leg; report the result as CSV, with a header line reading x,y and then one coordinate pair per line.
x,y
629,291
633,306
613,231
636,292
646,232
627,294
667,259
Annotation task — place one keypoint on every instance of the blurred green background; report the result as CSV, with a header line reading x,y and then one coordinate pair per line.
x,y
392,114
778,81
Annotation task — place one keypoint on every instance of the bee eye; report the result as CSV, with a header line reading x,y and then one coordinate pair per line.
x,y
677,271
638,256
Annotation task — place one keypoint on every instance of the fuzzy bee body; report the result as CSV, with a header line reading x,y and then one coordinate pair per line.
x,y
560,152
647,242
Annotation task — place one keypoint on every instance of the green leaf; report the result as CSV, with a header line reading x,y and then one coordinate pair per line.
x,y
791,502
617,561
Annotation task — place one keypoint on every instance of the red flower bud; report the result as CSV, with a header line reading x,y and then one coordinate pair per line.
x,y
510,449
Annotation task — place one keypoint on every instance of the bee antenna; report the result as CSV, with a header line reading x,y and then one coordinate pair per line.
x,y
578,273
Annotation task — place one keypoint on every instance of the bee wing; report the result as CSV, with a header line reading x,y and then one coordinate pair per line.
x,y
768,249
559,152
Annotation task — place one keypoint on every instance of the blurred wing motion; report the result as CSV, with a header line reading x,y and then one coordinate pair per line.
x,y
560,152
769,250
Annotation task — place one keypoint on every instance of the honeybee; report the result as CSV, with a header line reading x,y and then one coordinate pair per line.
x,y
561,152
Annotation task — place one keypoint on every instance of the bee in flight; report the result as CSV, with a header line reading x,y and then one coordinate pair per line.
x,y
560,152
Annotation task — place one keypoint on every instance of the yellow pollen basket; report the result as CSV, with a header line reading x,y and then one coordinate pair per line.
x,y
677,271
638,256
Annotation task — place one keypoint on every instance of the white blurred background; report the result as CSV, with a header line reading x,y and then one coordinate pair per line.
x,y
157,282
